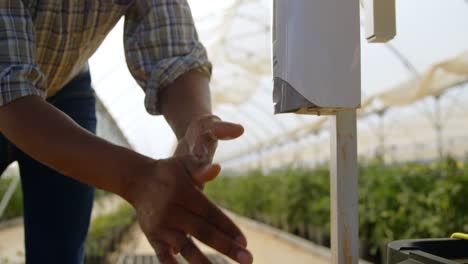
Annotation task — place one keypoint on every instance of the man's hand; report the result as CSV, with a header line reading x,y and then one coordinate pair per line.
x,y
186,105
197,147
168,203
201,139
170,207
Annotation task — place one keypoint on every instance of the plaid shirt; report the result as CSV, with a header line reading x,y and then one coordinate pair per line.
x,y
44,44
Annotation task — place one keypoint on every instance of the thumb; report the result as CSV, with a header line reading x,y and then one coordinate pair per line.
x,y
226,130
206,174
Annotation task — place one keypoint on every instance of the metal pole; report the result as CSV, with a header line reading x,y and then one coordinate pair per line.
x,y
381,147
438,128
344,188
316,149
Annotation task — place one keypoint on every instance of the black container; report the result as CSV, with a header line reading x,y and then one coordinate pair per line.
x,y
453,251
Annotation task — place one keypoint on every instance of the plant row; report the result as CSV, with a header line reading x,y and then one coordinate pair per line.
x,y
106,233
395,202
15,206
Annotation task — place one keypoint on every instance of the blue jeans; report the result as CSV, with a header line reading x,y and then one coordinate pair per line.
x,y
57,209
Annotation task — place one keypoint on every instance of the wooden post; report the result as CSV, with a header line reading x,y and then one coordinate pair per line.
x,y
344,188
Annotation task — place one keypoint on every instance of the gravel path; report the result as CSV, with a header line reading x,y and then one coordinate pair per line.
x,y
267,246
11,244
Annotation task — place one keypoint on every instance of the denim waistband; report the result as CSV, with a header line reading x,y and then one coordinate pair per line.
x,y
79,85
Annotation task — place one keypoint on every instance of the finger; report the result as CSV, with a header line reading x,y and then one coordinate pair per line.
x,y
191,164
195,201
185,246
206,174
199,176
164,252
205,144
226,130
205,147
200,205
210,235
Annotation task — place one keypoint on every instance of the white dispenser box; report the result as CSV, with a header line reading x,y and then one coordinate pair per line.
x,y
316,56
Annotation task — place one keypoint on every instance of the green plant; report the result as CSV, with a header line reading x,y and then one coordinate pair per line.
x,y
107,230
15,205
411,200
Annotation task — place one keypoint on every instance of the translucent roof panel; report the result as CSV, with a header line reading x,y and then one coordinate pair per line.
x,y
426,36
237,36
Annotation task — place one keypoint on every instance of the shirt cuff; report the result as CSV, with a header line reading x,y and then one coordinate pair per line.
x,y
166,73
205,70
18,81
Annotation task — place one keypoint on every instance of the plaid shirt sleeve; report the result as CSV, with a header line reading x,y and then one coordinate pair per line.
x,y
19,74
161,44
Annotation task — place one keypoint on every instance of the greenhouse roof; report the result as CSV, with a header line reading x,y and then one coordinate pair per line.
x,y
428,56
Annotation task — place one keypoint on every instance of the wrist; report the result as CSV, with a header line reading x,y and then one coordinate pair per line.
x,y
187,99
181,128
131,182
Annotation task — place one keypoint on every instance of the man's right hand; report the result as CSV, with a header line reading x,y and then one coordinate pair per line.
x,y
170,208
169,204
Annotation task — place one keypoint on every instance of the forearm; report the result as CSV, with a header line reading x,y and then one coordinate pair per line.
x,y
52,138
187,99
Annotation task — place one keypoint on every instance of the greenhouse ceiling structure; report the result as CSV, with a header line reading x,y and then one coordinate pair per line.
x,y
419,79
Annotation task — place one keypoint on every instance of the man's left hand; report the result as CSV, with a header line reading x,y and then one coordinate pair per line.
x,y
201,139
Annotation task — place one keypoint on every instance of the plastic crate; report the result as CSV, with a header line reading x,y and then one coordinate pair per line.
x,y
452,251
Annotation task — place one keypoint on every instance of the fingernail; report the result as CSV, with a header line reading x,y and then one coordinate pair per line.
x,y
244,257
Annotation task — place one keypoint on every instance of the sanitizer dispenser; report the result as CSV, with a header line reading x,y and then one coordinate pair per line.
x,y
316,56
